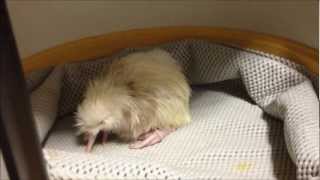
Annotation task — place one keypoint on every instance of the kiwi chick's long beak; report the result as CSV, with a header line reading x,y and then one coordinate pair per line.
x,y
91,138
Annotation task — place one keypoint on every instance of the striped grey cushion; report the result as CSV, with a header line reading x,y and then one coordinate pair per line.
x,y
276,85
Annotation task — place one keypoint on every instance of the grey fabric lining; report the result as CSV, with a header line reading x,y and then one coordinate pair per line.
x,y
44,102
274,85
36,78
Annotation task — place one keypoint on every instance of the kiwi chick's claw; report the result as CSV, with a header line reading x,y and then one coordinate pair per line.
x,y
144,94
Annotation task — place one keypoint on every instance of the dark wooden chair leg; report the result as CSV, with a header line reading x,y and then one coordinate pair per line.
x,y
19,141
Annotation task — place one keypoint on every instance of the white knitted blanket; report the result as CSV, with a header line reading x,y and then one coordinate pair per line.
x,y
262,123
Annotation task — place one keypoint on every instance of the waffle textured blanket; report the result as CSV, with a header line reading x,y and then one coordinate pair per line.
x,y
255,116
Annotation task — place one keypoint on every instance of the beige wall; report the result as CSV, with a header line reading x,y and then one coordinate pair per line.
x,y
39,24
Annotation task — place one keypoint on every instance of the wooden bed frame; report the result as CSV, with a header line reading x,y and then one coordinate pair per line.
x,y
91,48
18,139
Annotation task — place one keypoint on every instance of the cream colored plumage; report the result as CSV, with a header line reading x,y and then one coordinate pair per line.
x,y
136,94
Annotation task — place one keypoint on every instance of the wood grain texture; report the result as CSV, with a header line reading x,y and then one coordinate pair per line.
x,y
91,48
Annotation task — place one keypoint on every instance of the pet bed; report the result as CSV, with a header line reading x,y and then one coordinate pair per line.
x,y
255,115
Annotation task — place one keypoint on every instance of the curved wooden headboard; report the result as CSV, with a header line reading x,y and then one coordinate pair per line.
x,y
104,45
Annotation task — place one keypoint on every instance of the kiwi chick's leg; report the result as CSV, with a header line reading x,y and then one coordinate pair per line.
x,y
150,138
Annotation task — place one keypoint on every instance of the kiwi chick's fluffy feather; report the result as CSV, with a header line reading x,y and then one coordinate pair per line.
x,y
138,93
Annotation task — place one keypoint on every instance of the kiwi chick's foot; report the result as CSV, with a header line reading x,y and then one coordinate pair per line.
x,y
150,138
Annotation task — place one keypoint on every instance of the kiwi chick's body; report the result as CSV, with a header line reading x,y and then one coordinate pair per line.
x,y
141,98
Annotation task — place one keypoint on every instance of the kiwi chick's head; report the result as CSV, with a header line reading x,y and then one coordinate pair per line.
x,y
97,116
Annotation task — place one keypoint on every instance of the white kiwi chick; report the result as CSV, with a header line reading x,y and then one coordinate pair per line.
x,y
141,98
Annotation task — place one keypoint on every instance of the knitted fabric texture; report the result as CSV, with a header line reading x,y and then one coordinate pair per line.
x,y
262,125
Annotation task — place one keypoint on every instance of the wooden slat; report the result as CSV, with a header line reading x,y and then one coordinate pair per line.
x,y
105,45
18,136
